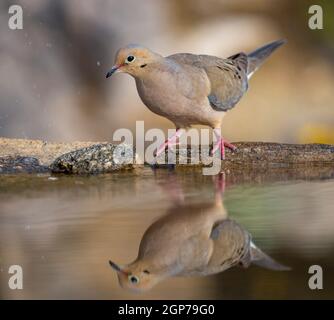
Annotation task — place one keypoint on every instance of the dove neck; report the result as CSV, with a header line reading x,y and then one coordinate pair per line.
x,y
158,267
153,71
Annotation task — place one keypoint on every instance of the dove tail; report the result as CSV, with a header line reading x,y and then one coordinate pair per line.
x,y
259,258
257,57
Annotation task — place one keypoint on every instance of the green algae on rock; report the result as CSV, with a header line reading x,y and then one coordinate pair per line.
x,y
98,158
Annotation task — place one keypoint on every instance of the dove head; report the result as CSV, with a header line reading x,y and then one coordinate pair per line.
x,y
134,60
136,277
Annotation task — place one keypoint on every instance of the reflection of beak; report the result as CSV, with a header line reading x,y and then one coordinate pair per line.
x,y
113,70
117,268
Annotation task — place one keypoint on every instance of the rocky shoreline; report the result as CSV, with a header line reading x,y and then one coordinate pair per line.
x,y
36,156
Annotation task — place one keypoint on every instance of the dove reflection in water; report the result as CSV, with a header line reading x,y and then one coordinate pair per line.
x,y
191,240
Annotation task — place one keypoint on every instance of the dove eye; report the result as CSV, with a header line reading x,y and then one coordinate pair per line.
x,y
130,59
133,279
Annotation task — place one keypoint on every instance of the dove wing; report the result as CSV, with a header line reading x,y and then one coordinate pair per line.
x,y
228,77
231,246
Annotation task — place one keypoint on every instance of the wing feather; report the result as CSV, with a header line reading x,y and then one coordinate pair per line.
x,y
230,247
228,77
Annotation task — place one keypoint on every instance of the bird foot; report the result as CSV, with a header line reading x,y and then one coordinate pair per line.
x,y
221,144
168,144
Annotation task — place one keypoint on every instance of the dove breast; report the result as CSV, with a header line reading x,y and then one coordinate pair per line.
x,y
178,92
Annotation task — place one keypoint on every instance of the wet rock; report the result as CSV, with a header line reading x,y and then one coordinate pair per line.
x,y
98,158
45,151
20,164
22,155
255,155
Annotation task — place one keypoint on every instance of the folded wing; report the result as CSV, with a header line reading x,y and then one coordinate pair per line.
x,y
228,77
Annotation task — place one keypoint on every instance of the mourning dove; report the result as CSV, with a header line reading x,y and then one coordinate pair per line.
x,y
191,240
190,89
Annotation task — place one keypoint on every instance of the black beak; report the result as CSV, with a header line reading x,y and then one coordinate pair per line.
x,y
112,71
115,266
118,268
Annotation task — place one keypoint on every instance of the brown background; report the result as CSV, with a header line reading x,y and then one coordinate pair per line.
x,y
52,73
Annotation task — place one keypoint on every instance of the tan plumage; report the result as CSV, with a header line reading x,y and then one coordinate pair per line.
x,y
228,77
190,89
191,240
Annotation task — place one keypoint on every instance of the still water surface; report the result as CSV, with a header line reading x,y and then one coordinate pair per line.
x,y
64,230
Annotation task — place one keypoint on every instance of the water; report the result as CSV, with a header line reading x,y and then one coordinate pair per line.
x,y
64,230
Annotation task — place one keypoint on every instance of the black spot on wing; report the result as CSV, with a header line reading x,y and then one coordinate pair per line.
x,y
240,60
224,68
235,56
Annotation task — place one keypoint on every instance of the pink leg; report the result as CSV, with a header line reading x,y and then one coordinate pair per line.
x,y
221,143
220,183
169,142
219,192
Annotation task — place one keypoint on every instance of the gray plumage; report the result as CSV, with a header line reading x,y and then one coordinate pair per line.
x,y
199,240
258,56
191,241
190,89
228,77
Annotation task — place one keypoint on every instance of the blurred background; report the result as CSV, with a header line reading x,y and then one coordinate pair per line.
x,y
52,73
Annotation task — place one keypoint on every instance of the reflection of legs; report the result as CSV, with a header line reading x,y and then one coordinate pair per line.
x,y
172,187
221,144
219,181
170,142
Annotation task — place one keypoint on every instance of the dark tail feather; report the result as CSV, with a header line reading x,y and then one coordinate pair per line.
x,y
259,258
257,57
